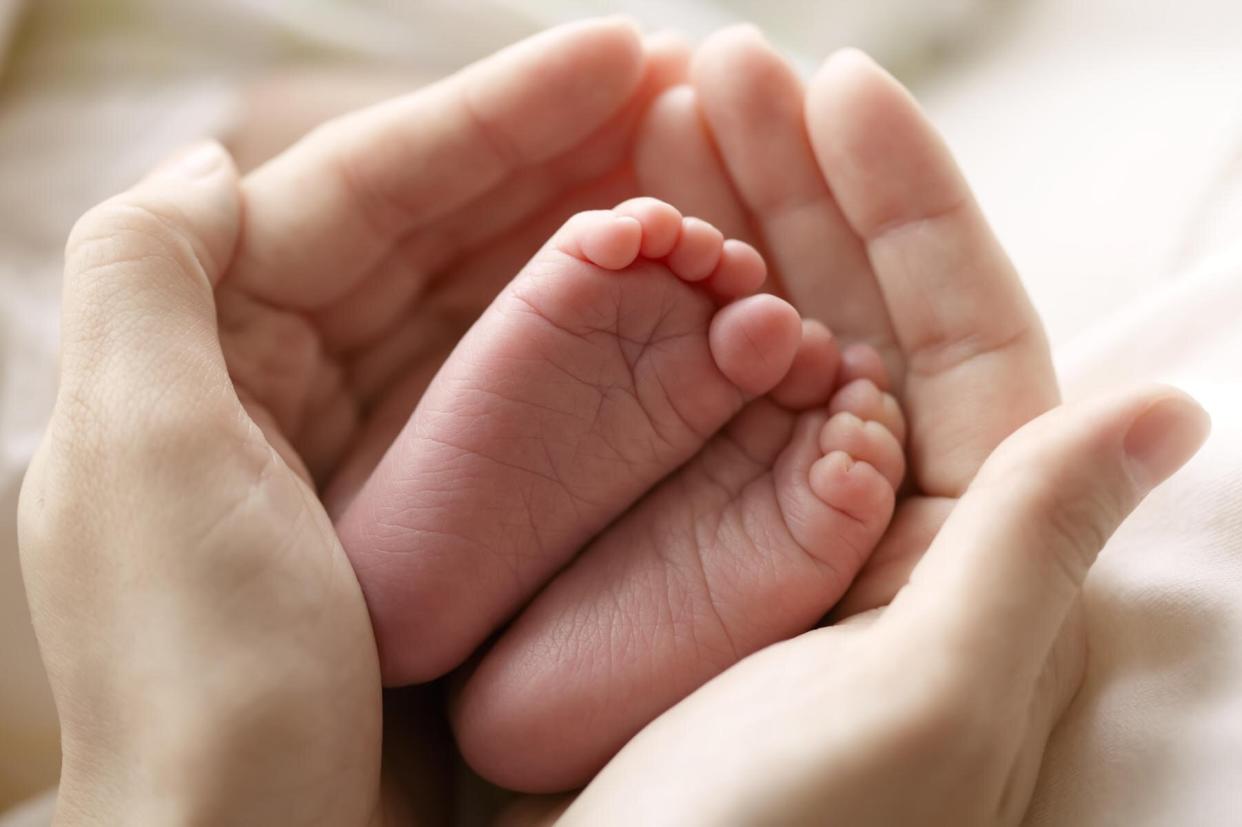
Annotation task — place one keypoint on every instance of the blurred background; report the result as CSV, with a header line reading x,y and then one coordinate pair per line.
x,y
1104,138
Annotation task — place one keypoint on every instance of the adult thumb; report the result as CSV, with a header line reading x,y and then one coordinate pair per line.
x,y
138,317
1000,578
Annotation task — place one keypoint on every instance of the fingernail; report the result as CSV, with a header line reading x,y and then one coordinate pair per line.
x,y
1164,437
195,161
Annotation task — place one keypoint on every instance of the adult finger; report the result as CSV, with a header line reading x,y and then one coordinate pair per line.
x,y
754,103
155,529
676,161
319,216
139,403
977,362
999,580
139,316
518,209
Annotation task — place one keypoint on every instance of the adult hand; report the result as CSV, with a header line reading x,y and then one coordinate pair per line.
x,y
856,201
936,709
198,618
870,228
370,246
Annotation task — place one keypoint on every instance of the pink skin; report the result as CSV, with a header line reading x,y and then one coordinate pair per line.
x,y
602,368
629,351
749,543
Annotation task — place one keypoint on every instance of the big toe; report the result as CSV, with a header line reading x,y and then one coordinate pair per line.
x,y
754,341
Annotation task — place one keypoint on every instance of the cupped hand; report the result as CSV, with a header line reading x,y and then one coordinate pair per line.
x,y
208,646
364,258
869,228
370,246
936,709
229,344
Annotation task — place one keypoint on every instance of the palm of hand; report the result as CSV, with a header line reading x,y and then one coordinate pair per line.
x,y
332,348
330,339
373,319
870,228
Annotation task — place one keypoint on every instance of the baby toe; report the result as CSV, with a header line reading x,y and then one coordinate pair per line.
x,y
864,441
754,341
867,402
601,237
698,250
854,488
661,223
740,272
813,374
862,361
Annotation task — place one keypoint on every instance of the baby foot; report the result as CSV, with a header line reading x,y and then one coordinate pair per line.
x,y
627,342
750,543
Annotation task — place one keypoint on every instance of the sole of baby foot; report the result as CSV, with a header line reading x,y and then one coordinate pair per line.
x,y
622,347
750,543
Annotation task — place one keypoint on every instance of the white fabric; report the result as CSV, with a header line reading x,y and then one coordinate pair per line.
x,y
1105,140
1153,736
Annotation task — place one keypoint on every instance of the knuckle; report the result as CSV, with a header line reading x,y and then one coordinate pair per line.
x,y
381,205
133,276
118,247
266,348
1075,528
124,230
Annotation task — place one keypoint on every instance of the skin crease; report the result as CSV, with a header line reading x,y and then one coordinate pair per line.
x,y
339,334
778,509
167,409
592,376
964,656
915,273
174,665
540,422
145,385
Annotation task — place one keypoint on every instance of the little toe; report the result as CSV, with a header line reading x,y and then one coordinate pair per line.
x,y
852,487
603,238
661,223
813,375
867,402
864,441
754,341
862,361
740,272
697,251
